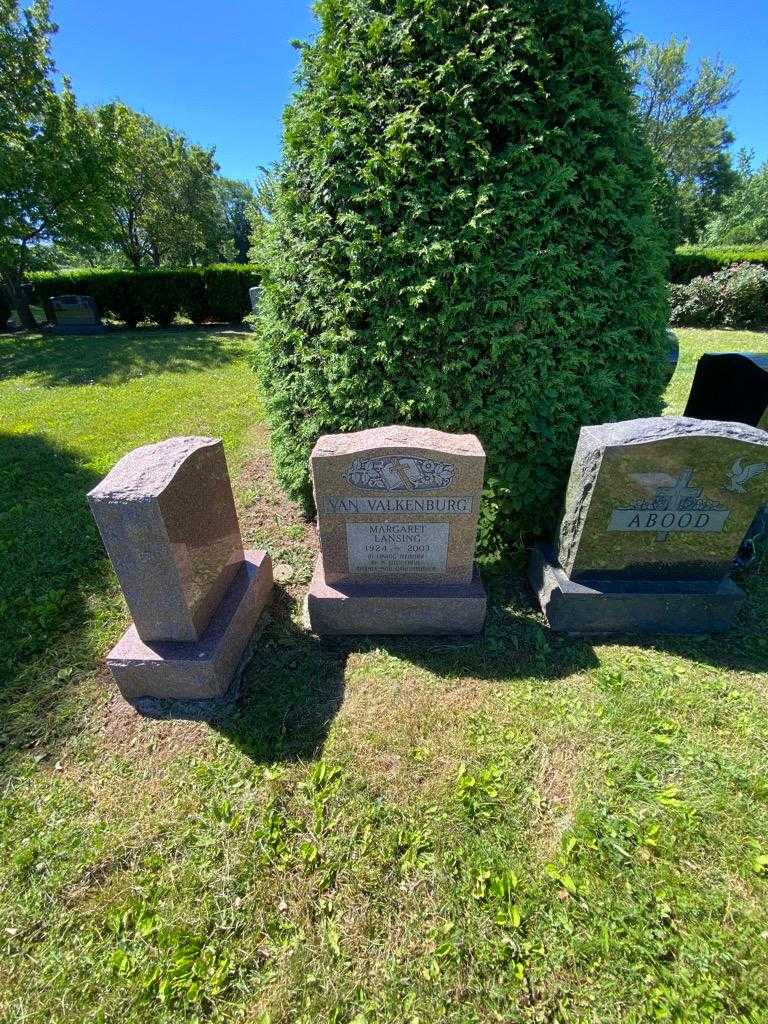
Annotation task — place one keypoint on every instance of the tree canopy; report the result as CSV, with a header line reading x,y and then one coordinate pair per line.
x,y
680,112
743,217
108,185
55,156
168,205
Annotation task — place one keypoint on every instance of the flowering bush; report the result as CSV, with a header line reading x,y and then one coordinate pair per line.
x,y
734,297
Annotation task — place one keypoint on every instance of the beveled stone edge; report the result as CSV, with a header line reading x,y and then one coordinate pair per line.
x,y
221,671
650,429
130,479
393,437
554,590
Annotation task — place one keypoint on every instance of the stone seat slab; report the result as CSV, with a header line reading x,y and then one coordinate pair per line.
x,y
618,607
199,669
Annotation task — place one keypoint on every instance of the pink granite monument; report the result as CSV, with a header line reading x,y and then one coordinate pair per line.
x,y
397,512
167,518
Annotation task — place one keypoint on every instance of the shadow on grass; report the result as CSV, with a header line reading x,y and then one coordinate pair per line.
x,y
51,560
116,356
290,693
294,687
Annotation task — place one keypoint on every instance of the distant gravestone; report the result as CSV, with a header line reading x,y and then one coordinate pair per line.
x,y
76,314
167,518
397,517
733,386
654,513
730,386
673,354
254,295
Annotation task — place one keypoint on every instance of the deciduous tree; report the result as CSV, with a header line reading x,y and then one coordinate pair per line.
x,y
167,207
743,217
680,111
55,156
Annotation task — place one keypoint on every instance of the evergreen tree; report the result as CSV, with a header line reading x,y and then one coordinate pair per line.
x,y
462,238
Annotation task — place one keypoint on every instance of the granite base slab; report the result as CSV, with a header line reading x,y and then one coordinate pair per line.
x,y
198,670
395,609
613,607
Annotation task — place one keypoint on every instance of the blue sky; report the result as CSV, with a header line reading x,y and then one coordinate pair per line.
x,y
220,71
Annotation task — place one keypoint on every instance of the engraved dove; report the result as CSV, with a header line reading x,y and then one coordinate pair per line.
x,y
740,474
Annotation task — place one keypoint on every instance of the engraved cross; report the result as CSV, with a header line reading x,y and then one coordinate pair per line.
x,y
677,493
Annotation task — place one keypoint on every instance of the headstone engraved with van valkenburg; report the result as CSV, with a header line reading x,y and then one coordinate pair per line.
x,y
167,517
397,511
654,513
75,314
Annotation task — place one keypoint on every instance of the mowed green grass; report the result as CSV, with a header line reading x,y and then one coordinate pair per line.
x,y
521,828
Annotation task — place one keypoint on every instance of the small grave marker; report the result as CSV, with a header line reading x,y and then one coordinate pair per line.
x,y
254,294
76,314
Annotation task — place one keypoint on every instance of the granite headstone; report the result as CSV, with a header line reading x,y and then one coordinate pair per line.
x,y
167,518
654,513
730,386
397,514
254,294
75,314
733,386
673,354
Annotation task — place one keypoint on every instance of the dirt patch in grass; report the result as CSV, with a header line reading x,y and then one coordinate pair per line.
x,y
554,792
268,518
127,732
405,727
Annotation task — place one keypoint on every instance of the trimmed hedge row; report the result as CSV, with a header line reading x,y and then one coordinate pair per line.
x,y
690,262
215,293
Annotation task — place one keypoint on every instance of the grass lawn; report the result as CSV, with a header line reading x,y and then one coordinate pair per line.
x,y
523,828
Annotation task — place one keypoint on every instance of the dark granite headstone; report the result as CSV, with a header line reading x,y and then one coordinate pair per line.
x,y
654,514
730,386
75,314
733,386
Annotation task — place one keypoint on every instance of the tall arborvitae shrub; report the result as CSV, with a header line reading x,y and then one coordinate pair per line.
x,y
463,239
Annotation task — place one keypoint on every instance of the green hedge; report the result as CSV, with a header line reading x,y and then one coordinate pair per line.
x,y
216,293
463,239
226,289
689,261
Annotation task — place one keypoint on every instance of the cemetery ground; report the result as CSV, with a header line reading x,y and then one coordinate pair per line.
x,y
523,827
